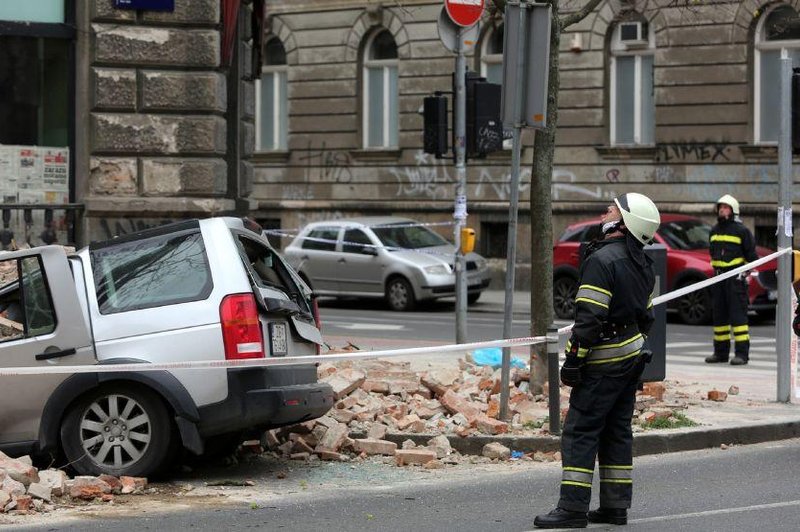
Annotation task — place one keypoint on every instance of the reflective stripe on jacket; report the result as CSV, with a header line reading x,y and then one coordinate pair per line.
x,y
731,244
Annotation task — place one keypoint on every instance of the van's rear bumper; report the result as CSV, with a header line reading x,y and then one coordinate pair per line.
x,y
264,398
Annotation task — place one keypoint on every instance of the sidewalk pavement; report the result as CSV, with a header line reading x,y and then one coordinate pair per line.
x,y
751,416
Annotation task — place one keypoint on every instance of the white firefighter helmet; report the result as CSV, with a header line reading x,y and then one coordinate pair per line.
x,y
729,200
640,215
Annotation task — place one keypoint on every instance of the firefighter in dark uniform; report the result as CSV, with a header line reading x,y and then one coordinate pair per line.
x,y
605,357
732,245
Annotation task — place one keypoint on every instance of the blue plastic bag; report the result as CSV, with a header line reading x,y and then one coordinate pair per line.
x,y
493,356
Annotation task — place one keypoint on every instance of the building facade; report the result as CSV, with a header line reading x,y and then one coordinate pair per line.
x,y
312,112
678,103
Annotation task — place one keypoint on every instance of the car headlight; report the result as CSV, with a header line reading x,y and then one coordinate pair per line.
x,y
438,269
480,263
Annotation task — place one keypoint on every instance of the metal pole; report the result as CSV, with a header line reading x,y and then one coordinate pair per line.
x,y
554,396
511,245
783,318
460,207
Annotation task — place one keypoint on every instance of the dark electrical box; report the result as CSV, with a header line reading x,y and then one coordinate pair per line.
x,y
434,135
484,127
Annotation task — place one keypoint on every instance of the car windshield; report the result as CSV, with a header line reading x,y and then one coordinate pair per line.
x,y
407,236
685,234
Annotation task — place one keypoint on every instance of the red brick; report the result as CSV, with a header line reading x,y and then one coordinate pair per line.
x,y
331,456
406,421
456,404
333,439
375,386
370,446
377,431
716,395
133,484
113,482
491,426
654,389
414,456
494,409
344,381
19,470
301,446
439,381
24,503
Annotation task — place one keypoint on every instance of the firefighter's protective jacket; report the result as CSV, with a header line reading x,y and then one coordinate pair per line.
x,y
731,245
613,306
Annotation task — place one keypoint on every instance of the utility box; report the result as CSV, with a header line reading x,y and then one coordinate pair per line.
x,y
434,135
656,370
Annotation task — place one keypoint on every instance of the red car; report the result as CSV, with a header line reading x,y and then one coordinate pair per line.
x,y
688,261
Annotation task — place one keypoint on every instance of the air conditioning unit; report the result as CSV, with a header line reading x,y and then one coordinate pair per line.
x,y
633,34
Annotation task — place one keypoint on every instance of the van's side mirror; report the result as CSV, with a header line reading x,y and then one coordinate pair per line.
x,y
367,250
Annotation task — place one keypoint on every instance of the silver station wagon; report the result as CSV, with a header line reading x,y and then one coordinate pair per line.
x,y
199,290
381,257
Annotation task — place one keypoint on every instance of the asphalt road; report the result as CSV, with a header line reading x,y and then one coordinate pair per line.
x,y
365,322
741,488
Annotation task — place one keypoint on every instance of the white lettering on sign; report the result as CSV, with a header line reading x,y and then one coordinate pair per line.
x,y
467,2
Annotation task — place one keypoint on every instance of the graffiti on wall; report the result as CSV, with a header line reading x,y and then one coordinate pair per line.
x,y
326,166
565,186
692,151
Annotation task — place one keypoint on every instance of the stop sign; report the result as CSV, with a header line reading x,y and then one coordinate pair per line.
x,y
464,12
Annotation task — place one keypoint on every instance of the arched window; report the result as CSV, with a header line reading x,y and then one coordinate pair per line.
x,y
631,102
492,56
272,111
380,91
777,29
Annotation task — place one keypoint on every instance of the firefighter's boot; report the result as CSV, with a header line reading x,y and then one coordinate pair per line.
x,y
613,516
560,518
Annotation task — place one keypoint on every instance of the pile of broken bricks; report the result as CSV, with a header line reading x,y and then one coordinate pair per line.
x,y
378,401
24,489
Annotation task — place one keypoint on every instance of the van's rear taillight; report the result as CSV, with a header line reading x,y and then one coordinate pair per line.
x,y
241,330
317,320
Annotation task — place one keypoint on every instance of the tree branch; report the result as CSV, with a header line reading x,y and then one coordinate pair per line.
x,y
573,18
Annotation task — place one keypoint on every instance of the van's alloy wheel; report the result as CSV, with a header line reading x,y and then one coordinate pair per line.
x,y
117,431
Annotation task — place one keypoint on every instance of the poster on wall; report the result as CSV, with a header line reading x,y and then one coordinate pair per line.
x,y
33,175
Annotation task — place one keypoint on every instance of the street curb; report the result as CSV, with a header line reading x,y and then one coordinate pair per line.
x,y
664,441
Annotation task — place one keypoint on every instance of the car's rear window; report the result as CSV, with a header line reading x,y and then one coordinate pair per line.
x,y
151,272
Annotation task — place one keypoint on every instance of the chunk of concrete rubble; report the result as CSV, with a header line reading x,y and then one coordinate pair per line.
x,y
38,490
344,381
377,431
414,456
441,445
375,447
331,456
408,444
299,456
5,498
496,451
530,411
54,479
333,439
13,487
434,464
733,390
441,380
19,470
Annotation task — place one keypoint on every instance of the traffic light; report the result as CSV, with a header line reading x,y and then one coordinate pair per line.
x,y
484,127
795,266
796,111
434,135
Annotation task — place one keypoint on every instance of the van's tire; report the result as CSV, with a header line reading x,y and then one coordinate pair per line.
x,y
473,298
400,295
144,439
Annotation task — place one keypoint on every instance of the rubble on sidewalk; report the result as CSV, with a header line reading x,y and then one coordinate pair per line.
x,y
380,399
26,490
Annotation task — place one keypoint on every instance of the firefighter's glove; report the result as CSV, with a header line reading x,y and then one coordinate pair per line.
x,y
647,355
571,370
